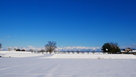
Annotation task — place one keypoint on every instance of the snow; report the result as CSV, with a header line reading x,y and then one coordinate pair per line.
x,y
134,51
18,54
67,56
93,56
50,65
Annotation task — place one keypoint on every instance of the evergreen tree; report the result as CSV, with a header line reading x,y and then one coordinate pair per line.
x,y
111,48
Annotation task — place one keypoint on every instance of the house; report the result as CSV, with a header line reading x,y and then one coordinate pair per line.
x,y
128,51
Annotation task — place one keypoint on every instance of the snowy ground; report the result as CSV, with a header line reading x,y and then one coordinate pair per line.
x,y
67,56
92,56
39,66
18,54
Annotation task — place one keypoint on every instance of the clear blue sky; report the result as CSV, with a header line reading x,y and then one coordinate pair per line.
x,y
88,23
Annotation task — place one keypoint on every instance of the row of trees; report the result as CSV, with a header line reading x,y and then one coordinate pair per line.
x,y
106,48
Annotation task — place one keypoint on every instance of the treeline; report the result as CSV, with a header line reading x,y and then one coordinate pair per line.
x,y
110,48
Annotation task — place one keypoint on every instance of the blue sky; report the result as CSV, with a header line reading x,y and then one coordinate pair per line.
x,y
89,23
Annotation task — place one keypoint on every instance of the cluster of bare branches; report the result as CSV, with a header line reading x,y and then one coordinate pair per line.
x,y
50,47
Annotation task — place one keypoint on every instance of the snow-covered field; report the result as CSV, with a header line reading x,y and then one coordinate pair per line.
x,y
18,54
92,56
47,65
67,56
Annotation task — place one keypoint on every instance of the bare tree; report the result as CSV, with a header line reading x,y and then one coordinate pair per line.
x,y
93,51
42,51
50,47
9,48
15,48
31,50
0,46
77,52
18,50
23,50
